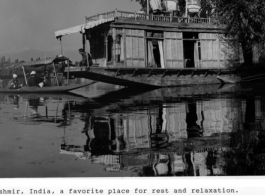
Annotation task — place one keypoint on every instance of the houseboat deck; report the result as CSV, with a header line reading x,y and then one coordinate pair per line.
x,y
165,17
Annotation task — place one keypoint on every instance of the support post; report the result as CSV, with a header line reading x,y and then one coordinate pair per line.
x,y
114,46
107,53
186,9
68,62
193,72
83,41
61,46
55,74
147,2
179,73
25,75
86,50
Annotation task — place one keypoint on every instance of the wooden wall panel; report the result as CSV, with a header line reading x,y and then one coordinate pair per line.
x,y
168,53
135,52
135,47
173,45
180,57
216,52
141,48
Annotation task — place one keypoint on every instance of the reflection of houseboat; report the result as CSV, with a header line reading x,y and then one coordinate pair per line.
x,y
161,141
155,50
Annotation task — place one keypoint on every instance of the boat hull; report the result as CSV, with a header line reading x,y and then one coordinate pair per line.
x,y
54,89
147,77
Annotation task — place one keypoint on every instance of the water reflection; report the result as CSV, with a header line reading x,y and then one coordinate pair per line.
x,y
164,132
188,137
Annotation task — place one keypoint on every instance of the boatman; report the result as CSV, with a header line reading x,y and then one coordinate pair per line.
x,y
13,83
84,55
35,81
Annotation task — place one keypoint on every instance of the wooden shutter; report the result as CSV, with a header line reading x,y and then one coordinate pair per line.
x,y
209,49
173,45
217,52
135,53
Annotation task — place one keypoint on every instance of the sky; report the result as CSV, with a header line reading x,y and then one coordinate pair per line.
x,y
27,26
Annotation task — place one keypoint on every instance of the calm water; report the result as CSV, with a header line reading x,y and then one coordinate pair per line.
x,y
107,131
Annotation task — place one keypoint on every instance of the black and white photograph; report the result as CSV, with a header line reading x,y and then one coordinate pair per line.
x,y
132,88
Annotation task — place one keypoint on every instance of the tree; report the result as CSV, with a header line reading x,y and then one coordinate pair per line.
x,y
244,21
3,60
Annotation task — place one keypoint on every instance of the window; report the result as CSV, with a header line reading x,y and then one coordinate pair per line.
x,y
110,48
119,48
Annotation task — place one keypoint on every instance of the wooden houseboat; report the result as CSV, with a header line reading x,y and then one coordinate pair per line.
x,y
132,49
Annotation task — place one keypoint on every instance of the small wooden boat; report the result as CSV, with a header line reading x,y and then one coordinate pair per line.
x,y
231,79
53,89
240,79
48,89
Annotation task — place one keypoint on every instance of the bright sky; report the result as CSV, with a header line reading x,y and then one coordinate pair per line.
x,y
30,24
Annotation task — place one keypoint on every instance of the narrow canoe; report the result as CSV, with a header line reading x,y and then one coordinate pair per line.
x,y
54,89
66,96
240,79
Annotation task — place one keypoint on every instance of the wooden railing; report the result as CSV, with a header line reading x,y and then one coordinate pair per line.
x,y
141,16
101,16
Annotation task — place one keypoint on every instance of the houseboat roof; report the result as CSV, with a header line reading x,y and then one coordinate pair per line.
x,y
43,62
142,20
81,28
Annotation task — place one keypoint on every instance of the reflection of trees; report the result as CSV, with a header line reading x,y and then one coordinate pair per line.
x,y
245,147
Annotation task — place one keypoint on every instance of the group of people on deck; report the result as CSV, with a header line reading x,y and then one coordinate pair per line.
x,y
36,81
33,81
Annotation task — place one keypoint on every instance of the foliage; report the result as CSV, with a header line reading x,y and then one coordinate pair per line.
x,y
244,20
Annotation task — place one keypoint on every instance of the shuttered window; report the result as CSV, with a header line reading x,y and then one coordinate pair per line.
x,y
209,49
217,52
135,53
173,45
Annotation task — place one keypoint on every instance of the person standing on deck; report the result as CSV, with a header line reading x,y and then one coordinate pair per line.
x,y
84,55
13,83
35,81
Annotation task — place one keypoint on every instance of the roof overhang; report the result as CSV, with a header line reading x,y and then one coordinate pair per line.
x,y
68,31
82,28
43,62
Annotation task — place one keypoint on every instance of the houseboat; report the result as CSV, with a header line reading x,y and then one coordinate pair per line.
x,y
157,49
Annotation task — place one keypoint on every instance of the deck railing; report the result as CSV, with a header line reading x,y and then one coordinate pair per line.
x,y
167,17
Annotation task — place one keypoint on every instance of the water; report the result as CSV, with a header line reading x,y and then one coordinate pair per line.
x,y
109,131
